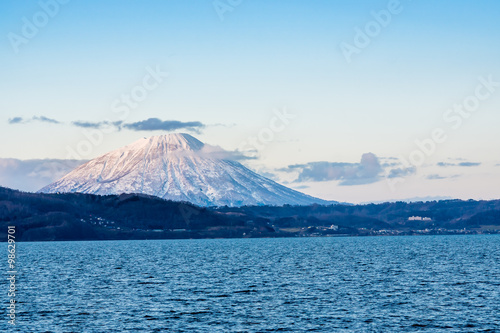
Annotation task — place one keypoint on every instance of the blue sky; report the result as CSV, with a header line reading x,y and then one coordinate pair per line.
x,y
231,70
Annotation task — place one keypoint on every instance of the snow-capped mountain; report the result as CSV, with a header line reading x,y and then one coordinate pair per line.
x,y
181,168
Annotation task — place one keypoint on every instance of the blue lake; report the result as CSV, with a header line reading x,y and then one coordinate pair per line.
x,y
365,284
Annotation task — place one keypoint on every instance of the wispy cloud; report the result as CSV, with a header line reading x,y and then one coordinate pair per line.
x,y
20,120
434,176
15,120
101,124
461,164
45,119
155,124
151,124
469,164
437,177
401,172
301,187
216,152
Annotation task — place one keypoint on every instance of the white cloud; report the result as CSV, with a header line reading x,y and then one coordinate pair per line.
x,y
32,175
367,171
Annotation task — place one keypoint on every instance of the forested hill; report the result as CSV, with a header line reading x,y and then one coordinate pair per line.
x,y
43,217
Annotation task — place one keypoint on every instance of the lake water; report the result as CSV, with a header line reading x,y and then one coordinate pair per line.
x,y
368,284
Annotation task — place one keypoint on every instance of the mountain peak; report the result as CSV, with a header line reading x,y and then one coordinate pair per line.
x,y
169,142
174,167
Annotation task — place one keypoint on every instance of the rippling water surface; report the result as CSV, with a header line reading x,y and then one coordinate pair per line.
x,y
370,284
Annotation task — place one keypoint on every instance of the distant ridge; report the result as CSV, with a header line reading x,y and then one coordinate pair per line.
x,y
178,167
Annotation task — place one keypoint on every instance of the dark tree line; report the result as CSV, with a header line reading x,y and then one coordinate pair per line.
x,y
70,216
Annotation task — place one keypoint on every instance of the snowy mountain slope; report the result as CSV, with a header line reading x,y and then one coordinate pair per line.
x,y
177,167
